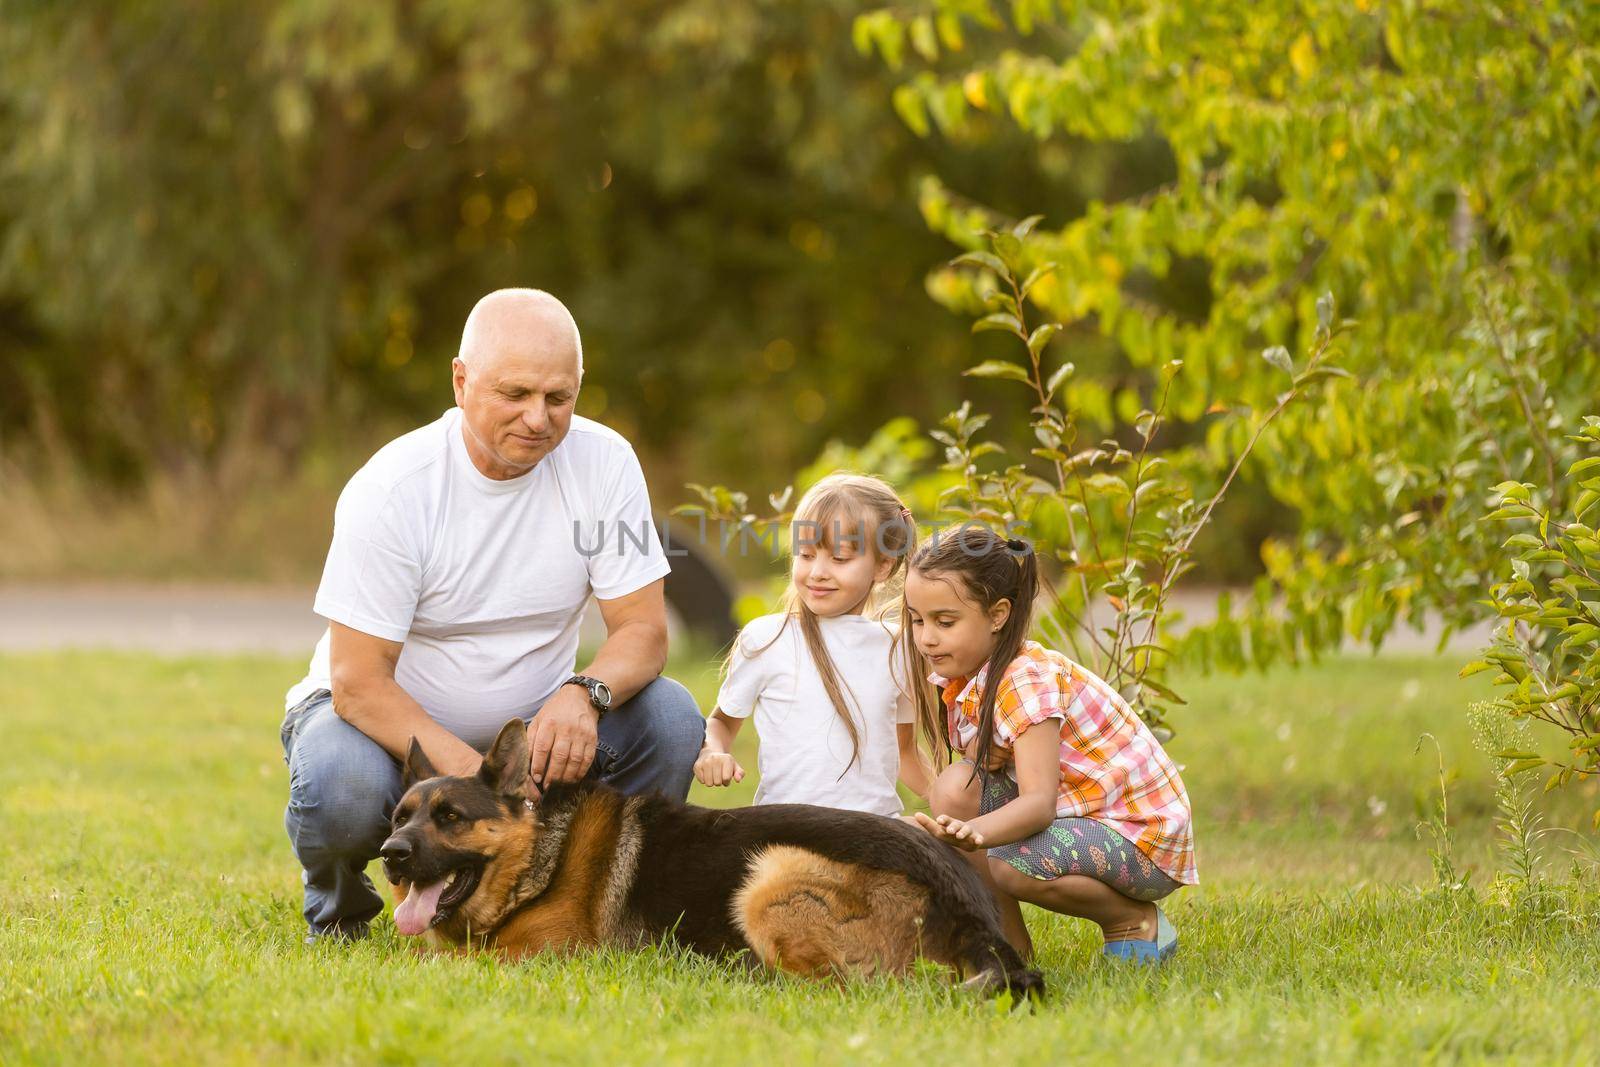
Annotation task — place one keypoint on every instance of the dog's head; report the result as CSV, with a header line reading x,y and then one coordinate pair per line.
x,y
457,843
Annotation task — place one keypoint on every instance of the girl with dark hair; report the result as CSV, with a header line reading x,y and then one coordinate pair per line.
x,y
1080,809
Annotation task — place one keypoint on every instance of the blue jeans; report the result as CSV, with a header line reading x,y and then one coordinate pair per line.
x,y
343,786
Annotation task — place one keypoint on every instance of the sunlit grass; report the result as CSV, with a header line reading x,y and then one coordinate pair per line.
x,y
153,908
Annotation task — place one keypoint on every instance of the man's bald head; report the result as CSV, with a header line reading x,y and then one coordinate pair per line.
x,y
520,323
516,379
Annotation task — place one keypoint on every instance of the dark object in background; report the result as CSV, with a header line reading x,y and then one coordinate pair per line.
x,y
697,589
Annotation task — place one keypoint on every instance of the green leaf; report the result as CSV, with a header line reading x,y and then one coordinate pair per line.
x,y
1162,691
949,26
923,39
999,320
1035,274
1062,373
1581,468
998,368
982,259
1279,357
909,104
1041,336
1007,247
861,31
1325,308
1025,227
1477,666
1320,374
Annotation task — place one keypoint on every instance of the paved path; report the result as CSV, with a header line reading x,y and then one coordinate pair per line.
x,y
170,619
199,619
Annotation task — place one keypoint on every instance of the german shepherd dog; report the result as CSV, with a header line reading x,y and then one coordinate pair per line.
x,y
477,862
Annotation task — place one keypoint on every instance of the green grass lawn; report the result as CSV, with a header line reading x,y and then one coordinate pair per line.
x,y
152,907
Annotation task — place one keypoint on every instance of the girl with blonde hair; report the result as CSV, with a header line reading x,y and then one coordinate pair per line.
x,y
831,706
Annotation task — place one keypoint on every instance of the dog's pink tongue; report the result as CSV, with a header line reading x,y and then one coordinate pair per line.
x,y
417,910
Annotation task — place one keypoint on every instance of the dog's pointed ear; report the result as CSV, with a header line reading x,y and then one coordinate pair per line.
x,y
418,767
505,766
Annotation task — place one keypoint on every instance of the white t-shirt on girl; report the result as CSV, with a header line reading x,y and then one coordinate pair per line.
x,y
804,746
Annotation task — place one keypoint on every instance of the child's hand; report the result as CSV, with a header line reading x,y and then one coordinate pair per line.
x,y
717,768
952,832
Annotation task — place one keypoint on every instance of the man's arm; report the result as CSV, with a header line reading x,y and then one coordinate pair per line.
x,y
635,649
634,652
366,696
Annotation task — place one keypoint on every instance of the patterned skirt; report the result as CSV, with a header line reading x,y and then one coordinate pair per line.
x,y
1077,846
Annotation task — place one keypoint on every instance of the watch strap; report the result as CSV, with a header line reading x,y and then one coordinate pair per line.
x,y
592,685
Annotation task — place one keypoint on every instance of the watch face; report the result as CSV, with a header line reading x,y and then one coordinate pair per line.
x,y
602,694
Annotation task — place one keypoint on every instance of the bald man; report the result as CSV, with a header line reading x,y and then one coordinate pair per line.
x,y
463,555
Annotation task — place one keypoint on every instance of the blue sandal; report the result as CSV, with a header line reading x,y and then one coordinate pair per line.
x,y
1151,952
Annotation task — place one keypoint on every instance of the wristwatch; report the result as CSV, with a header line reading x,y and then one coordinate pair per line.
x,y
599,692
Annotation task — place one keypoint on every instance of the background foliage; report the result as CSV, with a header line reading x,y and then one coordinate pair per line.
x,y
230,232
237,243
1429,165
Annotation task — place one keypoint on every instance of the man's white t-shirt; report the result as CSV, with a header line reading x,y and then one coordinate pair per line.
x,y
484,581
805,748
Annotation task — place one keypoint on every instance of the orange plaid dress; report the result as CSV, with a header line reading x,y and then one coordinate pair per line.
x,y
1113,769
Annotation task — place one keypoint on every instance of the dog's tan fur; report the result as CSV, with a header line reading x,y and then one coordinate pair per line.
x,y
569,913
817,917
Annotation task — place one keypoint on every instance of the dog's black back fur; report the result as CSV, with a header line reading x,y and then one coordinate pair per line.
x,y
692,861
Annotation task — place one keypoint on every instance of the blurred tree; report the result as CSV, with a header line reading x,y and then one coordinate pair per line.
x,y
228,232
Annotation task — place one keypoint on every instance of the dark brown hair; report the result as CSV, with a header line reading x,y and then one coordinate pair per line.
x,y
990,569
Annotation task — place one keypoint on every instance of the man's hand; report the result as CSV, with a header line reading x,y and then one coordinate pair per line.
x,y
952,832
717,768
460,765
561,737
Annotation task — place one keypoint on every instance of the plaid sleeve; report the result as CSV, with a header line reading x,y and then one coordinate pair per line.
x,y
1030,692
